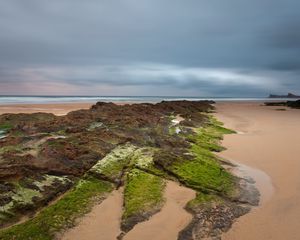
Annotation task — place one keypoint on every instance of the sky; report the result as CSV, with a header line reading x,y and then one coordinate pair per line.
x,y
236,48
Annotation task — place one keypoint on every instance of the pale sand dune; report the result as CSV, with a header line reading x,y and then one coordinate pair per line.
x,y
269,140
166,224
103,222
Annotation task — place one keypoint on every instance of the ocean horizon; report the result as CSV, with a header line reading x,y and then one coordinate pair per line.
x,y
151,99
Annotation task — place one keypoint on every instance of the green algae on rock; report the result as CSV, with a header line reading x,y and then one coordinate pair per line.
x,y
27,194
209,137
196,166
61,214
112,165
143,196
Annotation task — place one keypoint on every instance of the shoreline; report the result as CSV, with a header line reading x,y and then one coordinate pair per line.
x,y
62,108
257,178
59,108
267,141
55,108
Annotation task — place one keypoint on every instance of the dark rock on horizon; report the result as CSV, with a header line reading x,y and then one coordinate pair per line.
x,y
289,95
291,104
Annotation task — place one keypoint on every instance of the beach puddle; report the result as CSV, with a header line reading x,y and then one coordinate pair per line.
x,y
166,224
262,181
103,222
2,134
175,122
257,184
240,132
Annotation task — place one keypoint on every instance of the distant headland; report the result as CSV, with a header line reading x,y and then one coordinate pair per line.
x,y
289,95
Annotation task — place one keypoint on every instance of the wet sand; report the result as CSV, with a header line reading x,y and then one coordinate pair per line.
x,y
166,224
103,222
268,140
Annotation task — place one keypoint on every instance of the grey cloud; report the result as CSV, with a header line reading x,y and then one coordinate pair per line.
x,y
142,76
288,65
93,43
285,35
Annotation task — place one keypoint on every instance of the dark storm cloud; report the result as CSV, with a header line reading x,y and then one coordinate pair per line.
x,y
285,35
174,47
288,65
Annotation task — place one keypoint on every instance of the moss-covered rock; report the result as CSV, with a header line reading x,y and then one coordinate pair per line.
x,y
143,196
61,214
112,166
28,194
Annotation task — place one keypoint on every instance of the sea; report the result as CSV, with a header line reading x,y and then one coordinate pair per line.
x,y
4,100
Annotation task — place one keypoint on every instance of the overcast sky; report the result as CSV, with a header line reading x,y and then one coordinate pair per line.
x,y
153,47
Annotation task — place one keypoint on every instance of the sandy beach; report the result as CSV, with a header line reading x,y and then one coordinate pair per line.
x,y
55,108
173,217
103,220
266,143
268,140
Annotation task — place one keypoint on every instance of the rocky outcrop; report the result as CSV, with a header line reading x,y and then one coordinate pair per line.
x,y
43,146
289,95
71,144
291,104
